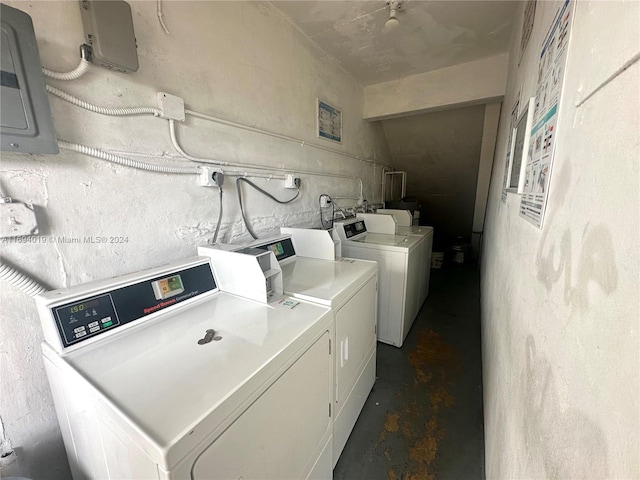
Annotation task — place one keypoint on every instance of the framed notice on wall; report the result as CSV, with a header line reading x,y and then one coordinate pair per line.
x,y
515,110
539,161
521,137
329,121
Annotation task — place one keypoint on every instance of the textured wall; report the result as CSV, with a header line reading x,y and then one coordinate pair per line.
x,y
560,308
440,152
239,60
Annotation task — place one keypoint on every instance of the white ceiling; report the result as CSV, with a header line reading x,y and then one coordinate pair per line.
x,y
432,34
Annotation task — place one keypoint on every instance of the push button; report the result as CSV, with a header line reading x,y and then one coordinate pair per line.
x,y
93,324
78,329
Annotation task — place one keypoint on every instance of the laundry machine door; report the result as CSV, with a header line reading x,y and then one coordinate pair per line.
x,y
284,432
355,361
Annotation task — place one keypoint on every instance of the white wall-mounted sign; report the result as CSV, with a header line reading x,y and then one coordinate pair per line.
x,y
515,110
551,66
329,121
522,135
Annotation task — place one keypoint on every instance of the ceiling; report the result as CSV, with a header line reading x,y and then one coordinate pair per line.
x,y
432,34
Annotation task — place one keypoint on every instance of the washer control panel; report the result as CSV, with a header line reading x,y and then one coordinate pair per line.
x,y
282,248
88,317
355,228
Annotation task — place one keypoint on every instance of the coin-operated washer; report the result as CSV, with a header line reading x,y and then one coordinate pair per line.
x,y
162,374
380,222
398,274
349,287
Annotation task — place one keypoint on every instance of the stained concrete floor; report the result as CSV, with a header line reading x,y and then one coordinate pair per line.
x,y
423,419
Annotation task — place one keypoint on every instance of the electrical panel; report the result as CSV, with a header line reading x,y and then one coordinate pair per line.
x,y
26,124
108,27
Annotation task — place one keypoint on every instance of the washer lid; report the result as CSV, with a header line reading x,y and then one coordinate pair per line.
x,y
169,393
383,239
327,282
416,230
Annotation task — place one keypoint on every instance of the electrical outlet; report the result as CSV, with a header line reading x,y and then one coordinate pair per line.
x,y
171,107
291,181
325,201
210,177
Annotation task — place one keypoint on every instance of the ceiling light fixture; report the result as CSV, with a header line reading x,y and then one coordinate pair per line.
x,y
394,7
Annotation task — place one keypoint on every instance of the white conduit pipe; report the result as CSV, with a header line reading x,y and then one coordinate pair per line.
x,y
268,176
77,72
102,110
20,280
161,17
176,145
127,162
302,143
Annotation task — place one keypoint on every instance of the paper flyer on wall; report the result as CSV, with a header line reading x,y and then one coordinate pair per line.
x,y
553,58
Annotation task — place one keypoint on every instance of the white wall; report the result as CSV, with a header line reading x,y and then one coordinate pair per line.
x,y
239,60
440,151
560,306
471,83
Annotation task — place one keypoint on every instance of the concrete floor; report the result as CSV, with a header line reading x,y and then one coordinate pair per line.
x,y
423,419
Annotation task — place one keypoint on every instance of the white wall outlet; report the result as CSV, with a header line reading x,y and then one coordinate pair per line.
x,y
171,107
17,220
325,201
291,181
206,177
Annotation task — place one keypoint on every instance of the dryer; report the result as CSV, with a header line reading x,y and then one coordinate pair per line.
x,y
398,274
380,222
161,375
349,288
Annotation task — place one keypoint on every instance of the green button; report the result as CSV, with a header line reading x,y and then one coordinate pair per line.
x,y
108,324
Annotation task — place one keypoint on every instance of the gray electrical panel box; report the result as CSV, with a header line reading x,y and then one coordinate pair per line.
x,y
25,116
108,27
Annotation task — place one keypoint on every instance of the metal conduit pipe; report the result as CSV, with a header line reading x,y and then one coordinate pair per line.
x,y
126,111
127,162
18,279
74,74
222,163
302,143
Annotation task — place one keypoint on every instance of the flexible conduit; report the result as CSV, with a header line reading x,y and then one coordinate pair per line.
x,y
110,157
179,149
77,72
156,112
20,280
161,17
302,143
102,110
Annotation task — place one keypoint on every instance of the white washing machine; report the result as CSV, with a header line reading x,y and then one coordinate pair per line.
x,y
398,274
160,375
349,287
380,222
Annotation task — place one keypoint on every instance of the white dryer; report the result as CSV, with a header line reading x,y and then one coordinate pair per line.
x,y
398,274
380,222
349,287
160,375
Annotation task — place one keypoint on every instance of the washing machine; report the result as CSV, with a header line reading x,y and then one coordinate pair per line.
x,y
162,375
398,258
380,222
349,287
